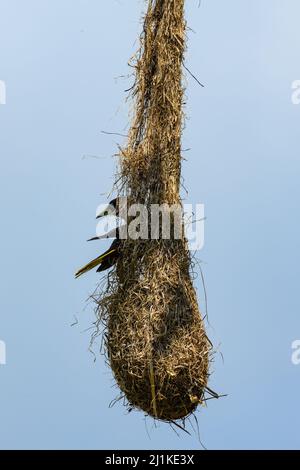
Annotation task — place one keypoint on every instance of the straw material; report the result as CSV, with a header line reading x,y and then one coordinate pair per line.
x,y
155,338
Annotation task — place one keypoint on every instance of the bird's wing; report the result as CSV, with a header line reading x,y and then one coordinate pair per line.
x,y
95,262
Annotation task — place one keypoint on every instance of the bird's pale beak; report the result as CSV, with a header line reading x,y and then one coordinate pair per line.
x,y
103,213
108,210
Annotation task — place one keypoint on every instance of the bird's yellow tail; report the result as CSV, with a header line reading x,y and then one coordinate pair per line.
x,y
92,264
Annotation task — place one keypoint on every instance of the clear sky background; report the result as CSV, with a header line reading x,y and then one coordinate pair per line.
x,y
59,60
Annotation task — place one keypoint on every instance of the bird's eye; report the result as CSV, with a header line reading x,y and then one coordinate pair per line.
x,y
105,213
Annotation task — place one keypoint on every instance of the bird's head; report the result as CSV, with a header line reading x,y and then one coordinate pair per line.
x,y
115,207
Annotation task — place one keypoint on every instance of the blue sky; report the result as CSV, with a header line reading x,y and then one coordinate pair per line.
x,y
59,61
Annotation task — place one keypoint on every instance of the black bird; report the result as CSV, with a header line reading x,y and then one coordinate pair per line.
x,y
110,256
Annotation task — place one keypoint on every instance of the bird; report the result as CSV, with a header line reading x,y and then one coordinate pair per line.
x,y
110,256
104,261
117,207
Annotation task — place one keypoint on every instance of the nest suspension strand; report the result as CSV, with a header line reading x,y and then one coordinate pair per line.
x,y
154,335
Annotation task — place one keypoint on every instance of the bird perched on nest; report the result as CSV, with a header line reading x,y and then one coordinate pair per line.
x,y
110,256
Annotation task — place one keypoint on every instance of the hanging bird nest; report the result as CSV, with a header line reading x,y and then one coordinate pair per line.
x,y
154,335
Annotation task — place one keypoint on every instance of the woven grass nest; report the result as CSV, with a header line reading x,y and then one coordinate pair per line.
x,y
155,339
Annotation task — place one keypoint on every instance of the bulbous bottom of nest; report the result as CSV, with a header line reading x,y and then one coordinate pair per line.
x,y
164,375
155,338
177,404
